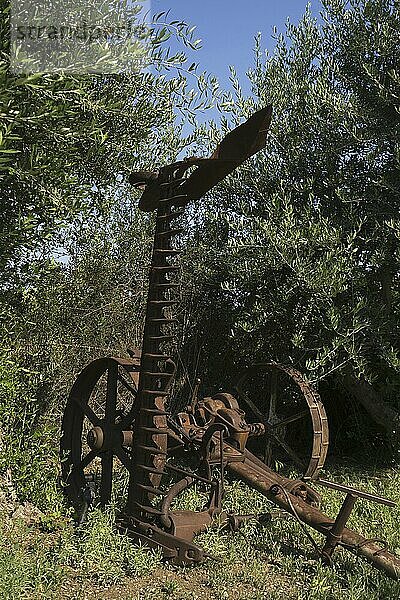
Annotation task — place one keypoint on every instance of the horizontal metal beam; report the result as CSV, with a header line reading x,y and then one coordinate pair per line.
x,y
354,492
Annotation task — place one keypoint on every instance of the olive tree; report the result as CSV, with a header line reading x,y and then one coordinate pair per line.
x,y
299,250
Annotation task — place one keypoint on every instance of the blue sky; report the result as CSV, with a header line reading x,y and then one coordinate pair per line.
x,y
228,27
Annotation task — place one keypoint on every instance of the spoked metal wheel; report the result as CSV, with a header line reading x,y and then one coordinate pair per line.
x,y
294,416
97,428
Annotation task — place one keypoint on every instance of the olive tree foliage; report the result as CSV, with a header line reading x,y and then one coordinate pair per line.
x,y
73,246
67,140
296,257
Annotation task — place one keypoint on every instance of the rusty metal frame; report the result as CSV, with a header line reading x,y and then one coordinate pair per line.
x,y
148,440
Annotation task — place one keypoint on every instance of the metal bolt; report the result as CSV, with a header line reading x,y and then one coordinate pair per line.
x,y
274,490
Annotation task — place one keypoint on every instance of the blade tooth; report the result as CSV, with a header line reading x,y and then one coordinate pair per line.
x,y
149,509
154,374
152,450
150,489
154,411
152,470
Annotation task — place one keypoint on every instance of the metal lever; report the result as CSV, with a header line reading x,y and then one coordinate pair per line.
x,y
193,401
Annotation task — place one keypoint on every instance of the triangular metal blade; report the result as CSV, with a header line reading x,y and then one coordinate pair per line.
x,y
237,146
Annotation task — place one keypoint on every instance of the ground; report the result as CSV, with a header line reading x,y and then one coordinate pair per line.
x,y
42,554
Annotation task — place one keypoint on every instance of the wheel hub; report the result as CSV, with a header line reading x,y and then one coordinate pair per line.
x,y
95,438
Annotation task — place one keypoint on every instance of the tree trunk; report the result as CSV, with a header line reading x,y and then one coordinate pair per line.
x,y
381,413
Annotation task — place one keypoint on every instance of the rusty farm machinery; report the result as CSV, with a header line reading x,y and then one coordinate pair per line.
x,y
118,408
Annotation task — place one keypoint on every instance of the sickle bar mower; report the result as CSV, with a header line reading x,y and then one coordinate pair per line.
x,y
116,416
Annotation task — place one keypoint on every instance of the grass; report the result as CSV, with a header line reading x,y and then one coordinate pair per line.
x,y
49,558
